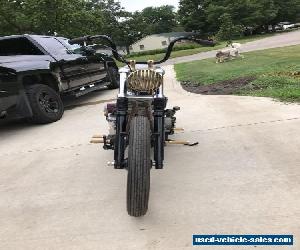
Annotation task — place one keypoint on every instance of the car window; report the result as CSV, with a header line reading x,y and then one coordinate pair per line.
x,y
52,45
18,46
72,48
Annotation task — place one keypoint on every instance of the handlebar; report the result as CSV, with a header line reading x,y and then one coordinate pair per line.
x,y
190,38
79,40
118,57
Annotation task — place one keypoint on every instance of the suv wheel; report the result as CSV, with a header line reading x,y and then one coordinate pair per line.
x,y
45,103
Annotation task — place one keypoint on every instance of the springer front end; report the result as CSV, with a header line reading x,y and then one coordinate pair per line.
x,y
139,98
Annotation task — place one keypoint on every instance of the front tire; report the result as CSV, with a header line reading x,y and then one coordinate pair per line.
x,y
139,165
46,104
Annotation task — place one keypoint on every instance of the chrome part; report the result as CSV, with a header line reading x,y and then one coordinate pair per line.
x,y
160,71
178,129
123,76
97,141
97,136
124,70
111,164
90,88
111,119
160,93
134,97
132,65
150,64
144,80
100,141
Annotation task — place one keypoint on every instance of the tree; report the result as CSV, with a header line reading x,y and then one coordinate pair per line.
x,y
130,30
73,18
151,20
204,15
227,29
288,10
192,16
251,13
260,13
64,17
12,17
158,19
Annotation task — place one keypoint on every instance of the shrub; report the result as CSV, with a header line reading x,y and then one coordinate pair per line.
x,y
183,46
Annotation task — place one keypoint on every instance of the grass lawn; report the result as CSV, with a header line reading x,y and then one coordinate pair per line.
x,y
273,69
188,52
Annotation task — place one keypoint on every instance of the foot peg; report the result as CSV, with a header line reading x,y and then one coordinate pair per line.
x,y
97,136
108,142
178,129
99,139
185,143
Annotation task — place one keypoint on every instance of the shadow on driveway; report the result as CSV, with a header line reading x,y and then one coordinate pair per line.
x,y
12,123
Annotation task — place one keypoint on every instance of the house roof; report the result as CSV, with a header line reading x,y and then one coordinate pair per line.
x,y
168,35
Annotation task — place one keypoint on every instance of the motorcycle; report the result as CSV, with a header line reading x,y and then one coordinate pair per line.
x,y
139,123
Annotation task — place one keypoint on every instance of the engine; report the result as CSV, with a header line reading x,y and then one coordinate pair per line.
x,y
111,117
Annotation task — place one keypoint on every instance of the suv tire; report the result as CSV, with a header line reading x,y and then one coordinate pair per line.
x,y
46,104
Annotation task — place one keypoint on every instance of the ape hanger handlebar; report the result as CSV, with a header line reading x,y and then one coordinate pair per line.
x,y
118,57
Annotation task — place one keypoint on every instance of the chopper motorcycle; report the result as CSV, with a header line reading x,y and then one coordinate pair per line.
x,y
139,123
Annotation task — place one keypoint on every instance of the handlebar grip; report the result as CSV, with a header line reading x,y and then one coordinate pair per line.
x,y
79,40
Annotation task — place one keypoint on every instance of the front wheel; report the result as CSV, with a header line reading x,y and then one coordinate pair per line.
x,y
139,165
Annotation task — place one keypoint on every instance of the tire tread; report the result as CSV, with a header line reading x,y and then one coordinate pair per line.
x,y
139,164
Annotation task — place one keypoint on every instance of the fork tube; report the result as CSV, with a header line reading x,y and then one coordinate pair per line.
x,y
159,131
123,75
120,142
161,91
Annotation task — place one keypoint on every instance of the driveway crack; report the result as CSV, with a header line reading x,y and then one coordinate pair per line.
x,y
241,125
186,131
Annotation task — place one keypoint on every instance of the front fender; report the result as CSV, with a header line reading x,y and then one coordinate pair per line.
x,y
13,98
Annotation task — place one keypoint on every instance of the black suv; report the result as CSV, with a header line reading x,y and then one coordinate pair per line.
x,y
36,70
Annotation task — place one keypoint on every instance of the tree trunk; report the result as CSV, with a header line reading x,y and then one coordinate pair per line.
x,y
127,49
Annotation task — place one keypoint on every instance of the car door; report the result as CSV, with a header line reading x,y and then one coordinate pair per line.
x,y
75,70
92,66
74,67
96,69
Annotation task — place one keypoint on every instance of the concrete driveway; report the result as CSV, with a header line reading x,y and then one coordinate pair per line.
x,y
279,40
56,191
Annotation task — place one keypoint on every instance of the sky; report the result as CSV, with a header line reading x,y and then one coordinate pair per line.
x,y
133,5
